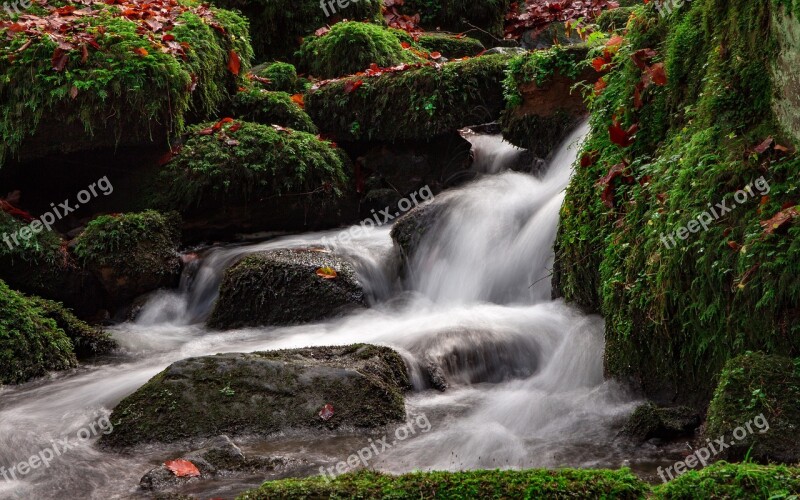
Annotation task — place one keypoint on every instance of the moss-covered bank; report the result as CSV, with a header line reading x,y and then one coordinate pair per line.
x,y
111,78
679,304
415,104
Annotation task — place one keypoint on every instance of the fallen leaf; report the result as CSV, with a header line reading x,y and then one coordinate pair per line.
x,y
351,86
298,99
233,62
657,74
326,272
141,51
764,146
326,412
182,468
779,220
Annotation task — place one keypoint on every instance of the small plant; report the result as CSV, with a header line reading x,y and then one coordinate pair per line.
x,y
227,391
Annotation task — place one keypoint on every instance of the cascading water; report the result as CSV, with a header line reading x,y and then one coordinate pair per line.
x,y
525,377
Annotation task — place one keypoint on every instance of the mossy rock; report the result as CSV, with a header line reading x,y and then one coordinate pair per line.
x,y
131,254
87,341
677,308
245,163
279,26
448,45
614,19
31,343
482,19
734,482
264,393
758,385
124,89
350,47
650,421
281,287
282,76
271,108
535,483
415,104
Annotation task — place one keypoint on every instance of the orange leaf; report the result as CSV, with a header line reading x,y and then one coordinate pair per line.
x,y
598,63
141,51
436,55
351,86
658,75
298,99
405,45
326,272
599,86
182,468
233,62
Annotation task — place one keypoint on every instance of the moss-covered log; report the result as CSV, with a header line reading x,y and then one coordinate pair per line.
x,y
415,104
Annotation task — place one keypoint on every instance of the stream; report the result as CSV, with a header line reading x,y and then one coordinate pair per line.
x,y
527,391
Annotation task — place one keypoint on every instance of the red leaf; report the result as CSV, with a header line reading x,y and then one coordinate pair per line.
x,y
59,59
599,85
589,158
405,45
352,85
643,56
779,220
764,146
298,99
65,10
657,74
607,181
619,136
142,52
233,128
206,131
436,55
233,62
326,412
598,63
182,468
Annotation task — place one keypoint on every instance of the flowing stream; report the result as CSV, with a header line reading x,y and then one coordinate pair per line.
x,y
525,372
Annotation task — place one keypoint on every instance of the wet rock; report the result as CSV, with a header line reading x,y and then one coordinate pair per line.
x,y
649,421
281,287
436,376
543,38
506,51
220,457
263,393
411,228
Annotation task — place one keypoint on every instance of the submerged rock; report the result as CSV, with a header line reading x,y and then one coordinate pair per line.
x,y
264,393
650,421
282,287
219,458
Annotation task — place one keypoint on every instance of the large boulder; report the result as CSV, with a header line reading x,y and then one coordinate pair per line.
x,y
759,395
271,108
113,75
411,228
265,393
283,287
650,421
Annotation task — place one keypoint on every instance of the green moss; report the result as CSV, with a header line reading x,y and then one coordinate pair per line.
x,y
675,313
283,78
565,483
758,385
268,108
31,343
210,170
539,66
87,341
415,104
650,421
733,482
614,19
279,26
350,47
450,46
115,93
131,244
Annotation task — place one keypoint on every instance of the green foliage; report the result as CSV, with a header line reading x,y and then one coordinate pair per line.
x,y
733,482
416,104
675,313
264,163
119,95
261,106
458,16
564,483
43,248
30,342
283,78
131,244
278,26
350,47
754,384
614,19
450,46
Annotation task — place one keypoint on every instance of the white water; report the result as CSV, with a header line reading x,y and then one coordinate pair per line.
x,y
526,376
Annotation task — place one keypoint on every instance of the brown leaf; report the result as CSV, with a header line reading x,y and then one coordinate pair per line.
x,y
59,59
233,62
779,220
182,468
764,146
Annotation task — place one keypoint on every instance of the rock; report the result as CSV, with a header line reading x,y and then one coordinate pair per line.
x,y
152,94
543,38
506,51
87,341
649,421
219,458
282,77
131,254
264,393
281,287
763,392
31,344
411,228
267,108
